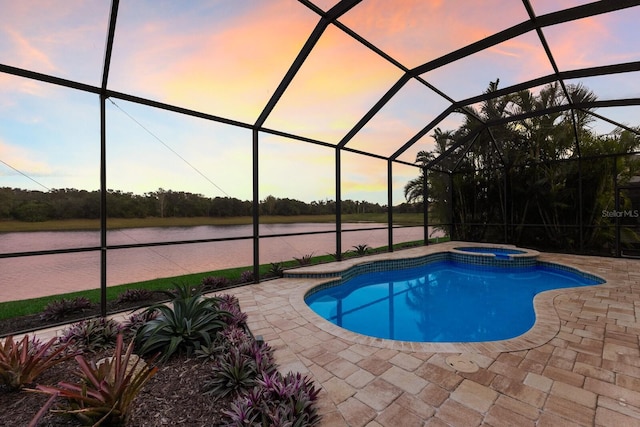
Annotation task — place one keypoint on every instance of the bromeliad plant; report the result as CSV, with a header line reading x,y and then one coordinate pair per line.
x,y
134,295
191,321
276,400
92,334
214,282
106,390
22,361
238,362
58,309
304,260
361,249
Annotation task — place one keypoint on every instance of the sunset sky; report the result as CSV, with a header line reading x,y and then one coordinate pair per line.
x,y
226,58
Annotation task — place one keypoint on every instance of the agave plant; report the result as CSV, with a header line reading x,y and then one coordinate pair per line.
x,y
106,390
185,325
22,361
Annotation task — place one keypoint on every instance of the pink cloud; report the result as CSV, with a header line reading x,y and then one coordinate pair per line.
x,y
420,30
61,38
228,67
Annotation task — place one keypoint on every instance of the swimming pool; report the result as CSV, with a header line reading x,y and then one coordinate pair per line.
x,y
442,301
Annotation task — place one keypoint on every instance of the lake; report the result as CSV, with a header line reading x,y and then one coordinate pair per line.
x,y
42,275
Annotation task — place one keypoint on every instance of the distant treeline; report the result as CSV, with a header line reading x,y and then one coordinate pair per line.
x,y
28,205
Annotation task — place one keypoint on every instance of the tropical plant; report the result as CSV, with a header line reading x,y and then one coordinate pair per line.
x,y
107,387
58,309
362,249
22,361
305,259
276,401
526,172
182,290
134,295
233,373
92,334
214,282
132,323
276,269
184,325
246,276
241,360
230,304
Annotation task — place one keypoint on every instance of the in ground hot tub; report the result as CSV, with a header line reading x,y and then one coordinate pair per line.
x,y
497,252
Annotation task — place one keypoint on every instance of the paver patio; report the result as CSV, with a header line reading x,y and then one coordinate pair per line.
x,y
579,366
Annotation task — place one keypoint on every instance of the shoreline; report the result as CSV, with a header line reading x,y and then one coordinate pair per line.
x,y
12,226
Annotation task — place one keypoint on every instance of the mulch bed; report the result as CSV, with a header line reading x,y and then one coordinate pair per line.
x,y
33,322
172,397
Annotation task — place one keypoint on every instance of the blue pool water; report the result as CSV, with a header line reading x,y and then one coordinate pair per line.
x,y
443,301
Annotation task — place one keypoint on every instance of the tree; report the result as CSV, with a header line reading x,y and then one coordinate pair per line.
x,y
533,164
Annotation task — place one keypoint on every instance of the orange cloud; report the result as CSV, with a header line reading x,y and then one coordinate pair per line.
x,y
229,67
422,30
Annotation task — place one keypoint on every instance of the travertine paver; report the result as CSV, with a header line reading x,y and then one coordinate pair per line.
x,y
579,366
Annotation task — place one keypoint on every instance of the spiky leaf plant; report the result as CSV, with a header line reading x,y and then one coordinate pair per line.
x,y
92,334
362,249
276,400
22,361
106,390
304,260
214,282
134,295
185,325
58,309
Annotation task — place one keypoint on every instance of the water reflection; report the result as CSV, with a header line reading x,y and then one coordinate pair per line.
x,y
51,274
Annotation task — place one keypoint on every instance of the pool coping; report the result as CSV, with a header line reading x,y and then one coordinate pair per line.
x,y
545,328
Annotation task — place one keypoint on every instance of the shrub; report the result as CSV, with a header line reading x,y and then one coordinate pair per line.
x,y
276,269
361,249
183,291
246,276
239,363
132,323
186,325
276,401
305,260
58,309
107,389
22,361
233,373
230,304
92,334
134,295
214,282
